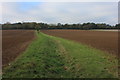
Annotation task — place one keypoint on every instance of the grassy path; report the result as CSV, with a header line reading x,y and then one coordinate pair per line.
x,y
52,57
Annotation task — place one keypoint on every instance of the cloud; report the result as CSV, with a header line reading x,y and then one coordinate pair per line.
x,y
59,0
63,12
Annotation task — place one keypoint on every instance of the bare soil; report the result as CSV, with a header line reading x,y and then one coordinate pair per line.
x,y
15,42
103,40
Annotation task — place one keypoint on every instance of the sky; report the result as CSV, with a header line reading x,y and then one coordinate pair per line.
x,y
60,12
59,0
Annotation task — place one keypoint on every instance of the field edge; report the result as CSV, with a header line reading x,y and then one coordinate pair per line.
x,y
65,47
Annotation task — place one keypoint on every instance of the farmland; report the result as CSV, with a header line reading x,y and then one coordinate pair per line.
x,y
59,40
104,40
13,43
54,57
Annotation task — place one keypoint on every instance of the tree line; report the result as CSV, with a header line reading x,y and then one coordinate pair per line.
x,y
34,25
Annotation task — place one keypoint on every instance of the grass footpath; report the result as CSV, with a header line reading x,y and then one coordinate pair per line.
x,y
53,57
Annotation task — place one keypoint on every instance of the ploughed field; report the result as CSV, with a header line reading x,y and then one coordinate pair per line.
x,y
54,57
104,40
14,42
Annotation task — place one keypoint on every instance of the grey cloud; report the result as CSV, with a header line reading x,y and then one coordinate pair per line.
x,y
64,12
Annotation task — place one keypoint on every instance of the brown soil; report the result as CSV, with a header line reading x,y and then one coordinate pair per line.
x,y
14,42
103,40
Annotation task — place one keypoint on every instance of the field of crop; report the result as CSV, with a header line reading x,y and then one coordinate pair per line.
x,y
55,57
104,40
13,43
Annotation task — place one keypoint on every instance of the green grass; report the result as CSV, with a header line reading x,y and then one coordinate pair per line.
x,y
53,57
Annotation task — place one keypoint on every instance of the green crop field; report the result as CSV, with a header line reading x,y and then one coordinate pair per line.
x,y
54,57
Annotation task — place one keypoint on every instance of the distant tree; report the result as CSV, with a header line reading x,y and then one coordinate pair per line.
x,y
59,25
38,26
117,26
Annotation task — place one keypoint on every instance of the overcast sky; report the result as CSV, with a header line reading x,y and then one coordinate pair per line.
x,y
63,12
